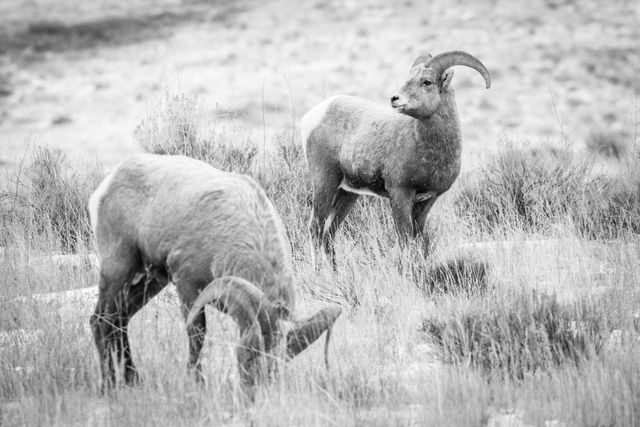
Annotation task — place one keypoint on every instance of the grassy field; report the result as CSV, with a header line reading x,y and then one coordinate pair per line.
x,y
522,309
529,315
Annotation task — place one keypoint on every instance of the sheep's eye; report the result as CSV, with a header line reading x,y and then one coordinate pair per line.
x,y
426,83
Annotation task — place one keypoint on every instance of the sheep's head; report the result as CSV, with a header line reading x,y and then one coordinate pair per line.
x,y
421,95
262,334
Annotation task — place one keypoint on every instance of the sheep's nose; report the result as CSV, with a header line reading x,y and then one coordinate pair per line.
x,y
396,101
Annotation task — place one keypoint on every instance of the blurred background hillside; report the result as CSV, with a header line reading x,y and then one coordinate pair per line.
x,y
82,76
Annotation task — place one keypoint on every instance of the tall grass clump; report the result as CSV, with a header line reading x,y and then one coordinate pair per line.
x,y
284,176
178,126
528,189
535,190
49,198
513,336
607,143
620,212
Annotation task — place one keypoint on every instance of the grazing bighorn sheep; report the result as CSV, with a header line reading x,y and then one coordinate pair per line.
x,y
218,238
354,147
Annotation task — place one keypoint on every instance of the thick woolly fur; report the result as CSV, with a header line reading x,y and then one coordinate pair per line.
x,y
161,219
377,148
355,147
198,223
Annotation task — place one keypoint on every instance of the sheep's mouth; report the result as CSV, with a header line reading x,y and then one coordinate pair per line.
x,y
399,107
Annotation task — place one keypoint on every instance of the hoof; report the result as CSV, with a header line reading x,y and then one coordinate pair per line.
x,y
132,377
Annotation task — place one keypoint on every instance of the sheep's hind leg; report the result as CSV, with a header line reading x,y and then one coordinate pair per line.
x,y
325,191
340,208
124,289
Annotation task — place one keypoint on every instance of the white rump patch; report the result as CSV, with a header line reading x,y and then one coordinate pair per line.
x,y
312,119
96,198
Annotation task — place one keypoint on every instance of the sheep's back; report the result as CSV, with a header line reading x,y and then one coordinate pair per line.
x,y
180,211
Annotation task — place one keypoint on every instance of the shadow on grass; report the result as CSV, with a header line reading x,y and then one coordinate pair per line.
x,y
460,275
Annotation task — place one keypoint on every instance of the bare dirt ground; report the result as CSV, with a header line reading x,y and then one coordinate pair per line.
x,y
82,76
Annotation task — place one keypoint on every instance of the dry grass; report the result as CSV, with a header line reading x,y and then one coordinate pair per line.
x,y
517,335
527,314
527,302
48,197
174,128
534,190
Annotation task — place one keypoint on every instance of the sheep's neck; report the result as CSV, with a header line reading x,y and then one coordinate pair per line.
x,y
439,145
439,135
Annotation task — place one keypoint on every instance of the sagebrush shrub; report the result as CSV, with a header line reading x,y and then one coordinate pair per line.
x,y
534,190
514,336
177,127
51,198
607,143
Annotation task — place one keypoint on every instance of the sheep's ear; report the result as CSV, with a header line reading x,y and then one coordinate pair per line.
x,y
445,80
305,332
422,59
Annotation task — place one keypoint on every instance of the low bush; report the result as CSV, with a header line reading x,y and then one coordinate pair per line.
x,y
607,143
50,198
534,190
177,128
525,334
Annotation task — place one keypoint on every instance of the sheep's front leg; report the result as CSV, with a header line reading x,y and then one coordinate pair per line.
x,y
196,331
401,210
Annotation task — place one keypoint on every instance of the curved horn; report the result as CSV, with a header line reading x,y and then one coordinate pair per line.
x,y
239,298
456,57
305,332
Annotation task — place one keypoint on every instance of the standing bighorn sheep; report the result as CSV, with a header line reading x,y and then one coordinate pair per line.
x,y
218,238
354,147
